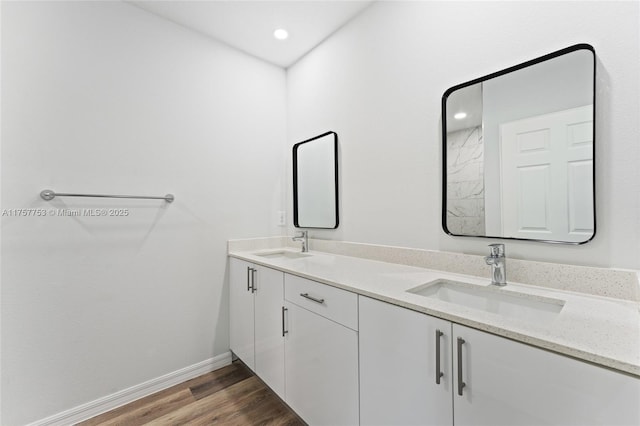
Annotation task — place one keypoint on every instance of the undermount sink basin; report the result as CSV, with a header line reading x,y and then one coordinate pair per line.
x,y
283,254
491,299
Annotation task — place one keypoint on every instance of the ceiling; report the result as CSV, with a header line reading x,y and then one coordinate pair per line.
x,y
249,25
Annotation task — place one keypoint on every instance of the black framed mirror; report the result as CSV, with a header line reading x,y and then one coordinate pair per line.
x,y
315,182
519,151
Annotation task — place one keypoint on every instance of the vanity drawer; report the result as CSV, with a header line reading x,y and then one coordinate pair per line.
x,y
336,304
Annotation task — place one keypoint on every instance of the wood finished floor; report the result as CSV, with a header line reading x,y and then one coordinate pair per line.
x,y
232,395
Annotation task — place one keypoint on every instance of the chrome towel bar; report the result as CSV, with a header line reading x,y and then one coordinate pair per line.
x,y
48,195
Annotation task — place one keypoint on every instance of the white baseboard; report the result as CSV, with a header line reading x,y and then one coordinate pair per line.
x,y
125,396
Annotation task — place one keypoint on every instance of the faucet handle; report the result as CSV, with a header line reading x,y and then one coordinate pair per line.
x,y
497,250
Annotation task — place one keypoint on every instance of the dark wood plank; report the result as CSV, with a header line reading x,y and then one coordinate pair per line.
x,y
223,404
204,385
219,380
258,406
144,410
252,403
232,395
263,408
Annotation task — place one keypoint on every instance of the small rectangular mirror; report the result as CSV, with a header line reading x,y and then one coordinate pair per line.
x,y
518,151
315,182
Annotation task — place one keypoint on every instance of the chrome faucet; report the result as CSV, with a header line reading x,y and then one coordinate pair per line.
x,y
304,237
498,263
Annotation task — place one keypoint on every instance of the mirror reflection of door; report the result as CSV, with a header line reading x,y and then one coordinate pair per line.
x,y
518,147
546,176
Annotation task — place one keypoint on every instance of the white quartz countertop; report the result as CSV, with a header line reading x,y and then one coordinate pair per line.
x,y
600,330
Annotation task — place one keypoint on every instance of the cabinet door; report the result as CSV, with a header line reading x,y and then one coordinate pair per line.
x,y
241,312
321,368
510,383
269,340
398,360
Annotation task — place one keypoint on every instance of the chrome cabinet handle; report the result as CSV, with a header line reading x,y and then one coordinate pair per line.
x,y
283,330
249,268
253,280
461,384
306,296
439,373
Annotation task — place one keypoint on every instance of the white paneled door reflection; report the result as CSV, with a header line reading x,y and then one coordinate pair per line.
x,y
547,176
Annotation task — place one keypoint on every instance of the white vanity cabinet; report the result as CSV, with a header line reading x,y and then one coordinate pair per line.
x,y
321,352
241,312
256,311
492,380
338,358
401,354
511,383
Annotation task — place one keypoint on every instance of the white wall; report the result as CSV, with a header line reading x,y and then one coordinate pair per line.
x,y
102,97
378,83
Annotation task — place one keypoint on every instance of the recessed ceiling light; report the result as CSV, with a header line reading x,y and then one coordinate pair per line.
x,y
460,115
281,34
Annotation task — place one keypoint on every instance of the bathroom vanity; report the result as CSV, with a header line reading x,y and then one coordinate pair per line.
x,y
347,340
277,316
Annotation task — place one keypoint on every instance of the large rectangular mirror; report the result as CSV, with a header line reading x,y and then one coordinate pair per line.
x,y
518,151
315,182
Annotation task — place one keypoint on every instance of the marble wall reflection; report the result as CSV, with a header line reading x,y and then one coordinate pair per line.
x,y
465,182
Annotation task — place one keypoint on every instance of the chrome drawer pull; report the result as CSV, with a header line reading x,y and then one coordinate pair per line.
x,y
439,373
306,296
253,280
461,384
283,330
